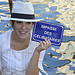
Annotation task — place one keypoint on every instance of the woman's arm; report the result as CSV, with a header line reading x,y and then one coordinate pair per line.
x,y
33,65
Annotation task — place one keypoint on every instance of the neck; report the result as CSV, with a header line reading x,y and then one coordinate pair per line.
x,y
18,44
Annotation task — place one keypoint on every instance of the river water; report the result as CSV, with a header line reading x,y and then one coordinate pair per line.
x,y
58,60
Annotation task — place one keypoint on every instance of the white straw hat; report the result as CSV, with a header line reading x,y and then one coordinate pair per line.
x,y
22,12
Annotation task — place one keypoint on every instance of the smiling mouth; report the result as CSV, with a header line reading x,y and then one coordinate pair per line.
x,y
22,32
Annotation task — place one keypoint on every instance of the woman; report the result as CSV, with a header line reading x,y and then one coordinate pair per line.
x,y
19,54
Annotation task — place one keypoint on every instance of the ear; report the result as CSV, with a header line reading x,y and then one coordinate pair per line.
x,y
10,22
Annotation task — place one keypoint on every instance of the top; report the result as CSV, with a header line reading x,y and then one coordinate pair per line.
x,y
15,62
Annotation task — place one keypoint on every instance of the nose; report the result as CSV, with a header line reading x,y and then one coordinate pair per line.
x,y
23,26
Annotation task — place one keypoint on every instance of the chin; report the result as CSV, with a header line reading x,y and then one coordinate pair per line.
x,y
22,37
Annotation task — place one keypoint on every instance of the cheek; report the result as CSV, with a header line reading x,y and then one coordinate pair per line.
x,y
16,27
30,27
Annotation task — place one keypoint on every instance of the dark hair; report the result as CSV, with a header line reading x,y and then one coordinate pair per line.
x,y
12,23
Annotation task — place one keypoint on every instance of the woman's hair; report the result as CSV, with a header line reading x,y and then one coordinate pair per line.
x,y
12,23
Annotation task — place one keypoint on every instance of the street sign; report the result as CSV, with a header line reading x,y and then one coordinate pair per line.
x,y
53,32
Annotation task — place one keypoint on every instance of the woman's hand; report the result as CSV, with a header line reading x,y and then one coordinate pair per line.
x,y
32,68
43,45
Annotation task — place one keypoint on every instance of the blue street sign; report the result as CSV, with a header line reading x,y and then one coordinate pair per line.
x,y
53,32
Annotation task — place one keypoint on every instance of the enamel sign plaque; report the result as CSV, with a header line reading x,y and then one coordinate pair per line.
x,y
53,32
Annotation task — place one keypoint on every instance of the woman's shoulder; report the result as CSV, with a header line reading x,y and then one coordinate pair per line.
x,y
4,39
3,35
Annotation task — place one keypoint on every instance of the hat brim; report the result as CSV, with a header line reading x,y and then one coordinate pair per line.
x,y
25,20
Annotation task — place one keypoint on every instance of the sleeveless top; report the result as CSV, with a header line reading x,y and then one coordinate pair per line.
x,y
15,62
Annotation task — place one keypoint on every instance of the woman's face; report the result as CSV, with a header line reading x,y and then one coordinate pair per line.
x,y
22,29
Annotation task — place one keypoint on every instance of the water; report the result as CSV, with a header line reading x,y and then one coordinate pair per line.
x,y
58,60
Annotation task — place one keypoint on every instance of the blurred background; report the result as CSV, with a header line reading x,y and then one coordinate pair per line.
x,y
58,60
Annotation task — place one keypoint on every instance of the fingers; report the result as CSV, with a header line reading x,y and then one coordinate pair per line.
x,y
42,43
48,41
45,44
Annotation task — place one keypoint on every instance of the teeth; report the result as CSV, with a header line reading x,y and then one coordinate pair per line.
x,y
22,32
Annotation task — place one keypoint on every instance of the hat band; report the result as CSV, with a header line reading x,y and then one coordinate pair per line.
x,y
22,16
